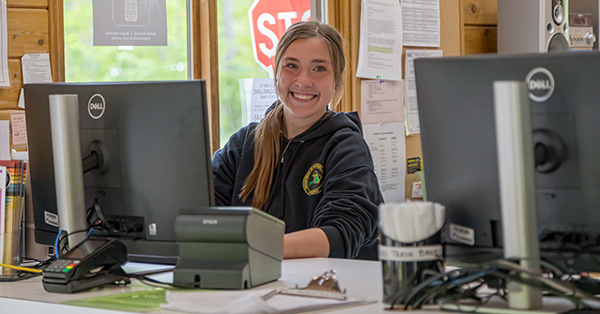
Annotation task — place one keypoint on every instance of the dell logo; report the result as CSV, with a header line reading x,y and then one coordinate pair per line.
x,y
541,84
210,221
96,106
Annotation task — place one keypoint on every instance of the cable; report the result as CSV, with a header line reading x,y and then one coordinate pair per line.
x,y
58,242
27,269
459,285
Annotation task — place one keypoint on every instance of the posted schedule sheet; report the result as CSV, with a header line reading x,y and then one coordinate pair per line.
x,y
421,23
388,147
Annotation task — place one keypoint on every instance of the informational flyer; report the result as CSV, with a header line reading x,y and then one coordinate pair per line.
x,y
381,101
388,146
412,107
36,68
256,95
421,23
130,22
380,48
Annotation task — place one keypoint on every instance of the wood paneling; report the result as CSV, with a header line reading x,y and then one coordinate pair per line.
x,y
56,32
27,31
479,32
205,64
9,97
27,4
480,39
479,12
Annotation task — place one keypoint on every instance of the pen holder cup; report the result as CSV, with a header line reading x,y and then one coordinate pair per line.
x,y
10,252
411,249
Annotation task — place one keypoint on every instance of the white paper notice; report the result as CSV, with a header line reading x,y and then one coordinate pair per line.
x,y
4,140
381,101
380,49
36,68
257,95
412,108
421,23
388,147
4,75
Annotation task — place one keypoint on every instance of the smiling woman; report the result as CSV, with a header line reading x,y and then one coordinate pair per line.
x,y
322,182
305,84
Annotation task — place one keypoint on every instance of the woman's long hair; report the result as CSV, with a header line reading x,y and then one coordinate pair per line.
x,y
266,137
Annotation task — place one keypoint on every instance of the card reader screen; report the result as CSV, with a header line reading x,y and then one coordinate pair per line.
x,y
84,249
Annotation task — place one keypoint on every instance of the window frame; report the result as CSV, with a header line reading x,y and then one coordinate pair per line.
x,y
204,63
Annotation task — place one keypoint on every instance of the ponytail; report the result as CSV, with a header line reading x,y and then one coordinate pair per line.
x,y
266,151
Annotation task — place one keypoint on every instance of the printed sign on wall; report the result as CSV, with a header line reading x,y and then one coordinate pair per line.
x,y
130,22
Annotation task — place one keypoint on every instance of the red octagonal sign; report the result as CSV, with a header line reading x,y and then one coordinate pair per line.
x,y
269,19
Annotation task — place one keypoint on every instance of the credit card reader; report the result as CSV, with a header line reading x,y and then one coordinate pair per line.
x,y
93,262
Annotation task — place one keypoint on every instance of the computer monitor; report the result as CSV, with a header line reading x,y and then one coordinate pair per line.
x,y
456,109
155,141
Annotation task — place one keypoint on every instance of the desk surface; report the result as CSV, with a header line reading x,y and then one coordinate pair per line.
x,y
361,279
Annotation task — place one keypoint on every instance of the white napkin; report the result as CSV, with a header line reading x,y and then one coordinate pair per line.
x,y
411,221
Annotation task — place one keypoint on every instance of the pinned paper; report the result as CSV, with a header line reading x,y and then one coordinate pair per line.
x,y
387,143
381,101
421,23
19,128
36,68
412,108
22,99
380,47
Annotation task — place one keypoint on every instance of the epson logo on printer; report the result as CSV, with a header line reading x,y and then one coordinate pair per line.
x,y
210,221
540,83
96,106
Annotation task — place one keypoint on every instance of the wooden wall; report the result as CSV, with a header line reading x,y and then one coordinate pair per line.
x,y
33,26
466,27
479,33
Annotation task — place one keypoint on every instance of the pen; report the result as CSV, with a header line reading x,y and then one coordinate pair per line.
x,y
270,294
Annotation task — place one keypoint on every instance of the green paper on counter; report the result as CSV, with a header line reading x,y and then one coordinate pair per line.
x,y
138,301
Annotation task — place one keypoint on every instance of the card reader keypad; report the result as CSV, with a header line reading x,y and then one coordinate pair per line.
x,y
62,265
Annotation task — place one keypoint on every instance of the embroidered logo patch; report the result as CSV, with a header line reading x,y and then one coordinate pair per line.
x,y
312,182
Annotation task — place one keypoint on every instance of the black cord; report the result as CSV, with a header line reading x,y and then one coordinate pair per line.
x,y
59,248
462,284
21,275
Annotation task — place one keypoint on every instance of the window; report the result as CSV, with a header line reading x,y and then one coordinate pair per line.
x,y
236,56
236,61
87,63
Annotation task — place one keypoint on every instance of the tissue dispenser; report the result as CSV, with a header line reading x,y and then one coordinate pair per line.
x,y
227,248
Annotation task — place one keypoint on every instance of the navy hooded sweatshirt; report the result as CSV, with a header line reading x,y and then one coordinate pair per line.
x,y
324,179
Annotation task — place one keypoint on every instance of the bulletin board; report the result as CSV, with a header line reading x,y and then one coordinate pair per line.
x,y
345,16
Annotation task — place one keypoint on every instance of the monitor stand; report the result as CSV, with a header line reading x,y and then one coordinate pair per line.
x,y
514,145
68,168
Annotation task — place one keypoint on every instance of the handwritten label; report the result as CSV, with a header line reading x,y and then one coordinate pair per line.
x,y
19,128
411,253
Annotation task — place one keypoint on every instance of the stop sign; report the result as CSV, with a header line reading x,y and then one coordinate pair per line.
x,y
269,19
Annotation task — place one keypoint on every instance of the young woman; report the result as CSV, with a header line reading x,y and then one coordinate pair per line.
x,y
303,163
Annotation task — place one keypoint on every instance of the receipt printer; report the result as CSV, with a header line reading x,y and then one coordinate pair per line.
x,y
227,248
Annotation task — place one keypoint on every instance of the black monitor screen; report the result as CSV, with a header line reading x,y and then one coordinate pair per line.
x,y
456,108
155,141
